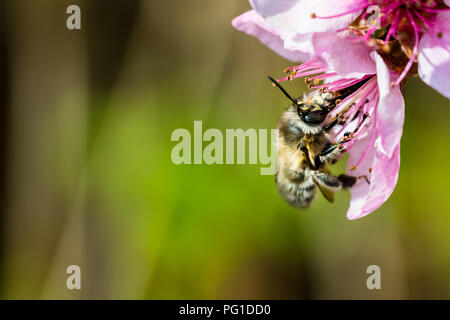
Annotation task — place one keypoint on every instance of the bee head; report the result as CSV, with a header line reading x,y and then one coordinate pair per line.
x,y
312,110
311,113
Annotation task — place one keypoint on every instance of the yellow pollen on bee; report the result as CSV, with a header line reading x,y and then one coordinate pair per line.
x,y
319,99
386,48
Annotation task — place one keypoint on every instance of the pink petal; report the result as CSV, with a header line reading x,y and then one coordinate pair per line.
x,y
295,16
447,2
383,178
272,7
382,162
348,58
300,42
360,191
391,110
253,24
434,55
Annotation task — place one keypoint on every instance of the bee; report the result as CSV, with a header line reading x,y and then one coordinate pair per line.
x,y
305,149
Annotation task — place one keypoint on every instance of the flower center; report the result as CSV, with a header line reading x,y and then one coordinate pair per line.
x,y
382,23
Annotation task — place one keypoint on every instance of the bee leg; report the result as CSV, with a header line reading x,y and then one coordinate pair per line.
x,y
301,146
332,151
328,180
330,126
349,181
329,153
365,178
306,152
329,149
341,181
317,162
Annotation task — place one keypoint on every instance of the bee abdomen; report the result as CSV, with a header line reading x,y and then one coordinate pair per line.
x,y
297,195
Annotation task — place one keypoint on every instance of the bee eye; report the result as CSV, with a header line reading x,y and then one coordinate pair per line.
x,y
301,109
314,117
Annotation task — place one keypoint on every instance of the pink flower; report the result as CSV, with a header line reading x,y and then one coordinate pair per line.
x,y
434,54
371,121
422,28
339,50
317,27
345,50
254,24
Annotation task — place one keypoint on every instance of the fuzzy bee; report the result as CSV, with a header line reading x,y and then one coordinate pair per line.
x,y
304,150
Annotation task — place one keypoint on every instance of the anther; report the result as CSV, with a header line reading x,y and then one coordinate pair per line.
x,y
342,120
313,15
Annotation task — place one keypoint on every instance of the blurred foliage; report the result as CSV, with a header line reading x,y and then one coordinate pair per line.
x,y
90,180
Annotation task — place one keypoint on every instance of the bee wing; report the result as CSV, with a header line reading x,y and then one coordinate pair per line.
x,y
327,193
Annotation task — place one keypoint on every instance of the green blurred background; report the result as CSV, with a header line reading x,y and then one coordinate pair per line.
x,y
86,176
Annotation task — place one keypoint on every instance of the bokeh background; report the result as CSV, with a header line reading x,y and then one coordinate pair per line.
x,y
86,176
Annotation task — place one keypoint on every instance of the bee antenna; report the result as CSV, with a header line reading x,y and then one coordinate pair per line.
x,y
275,82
